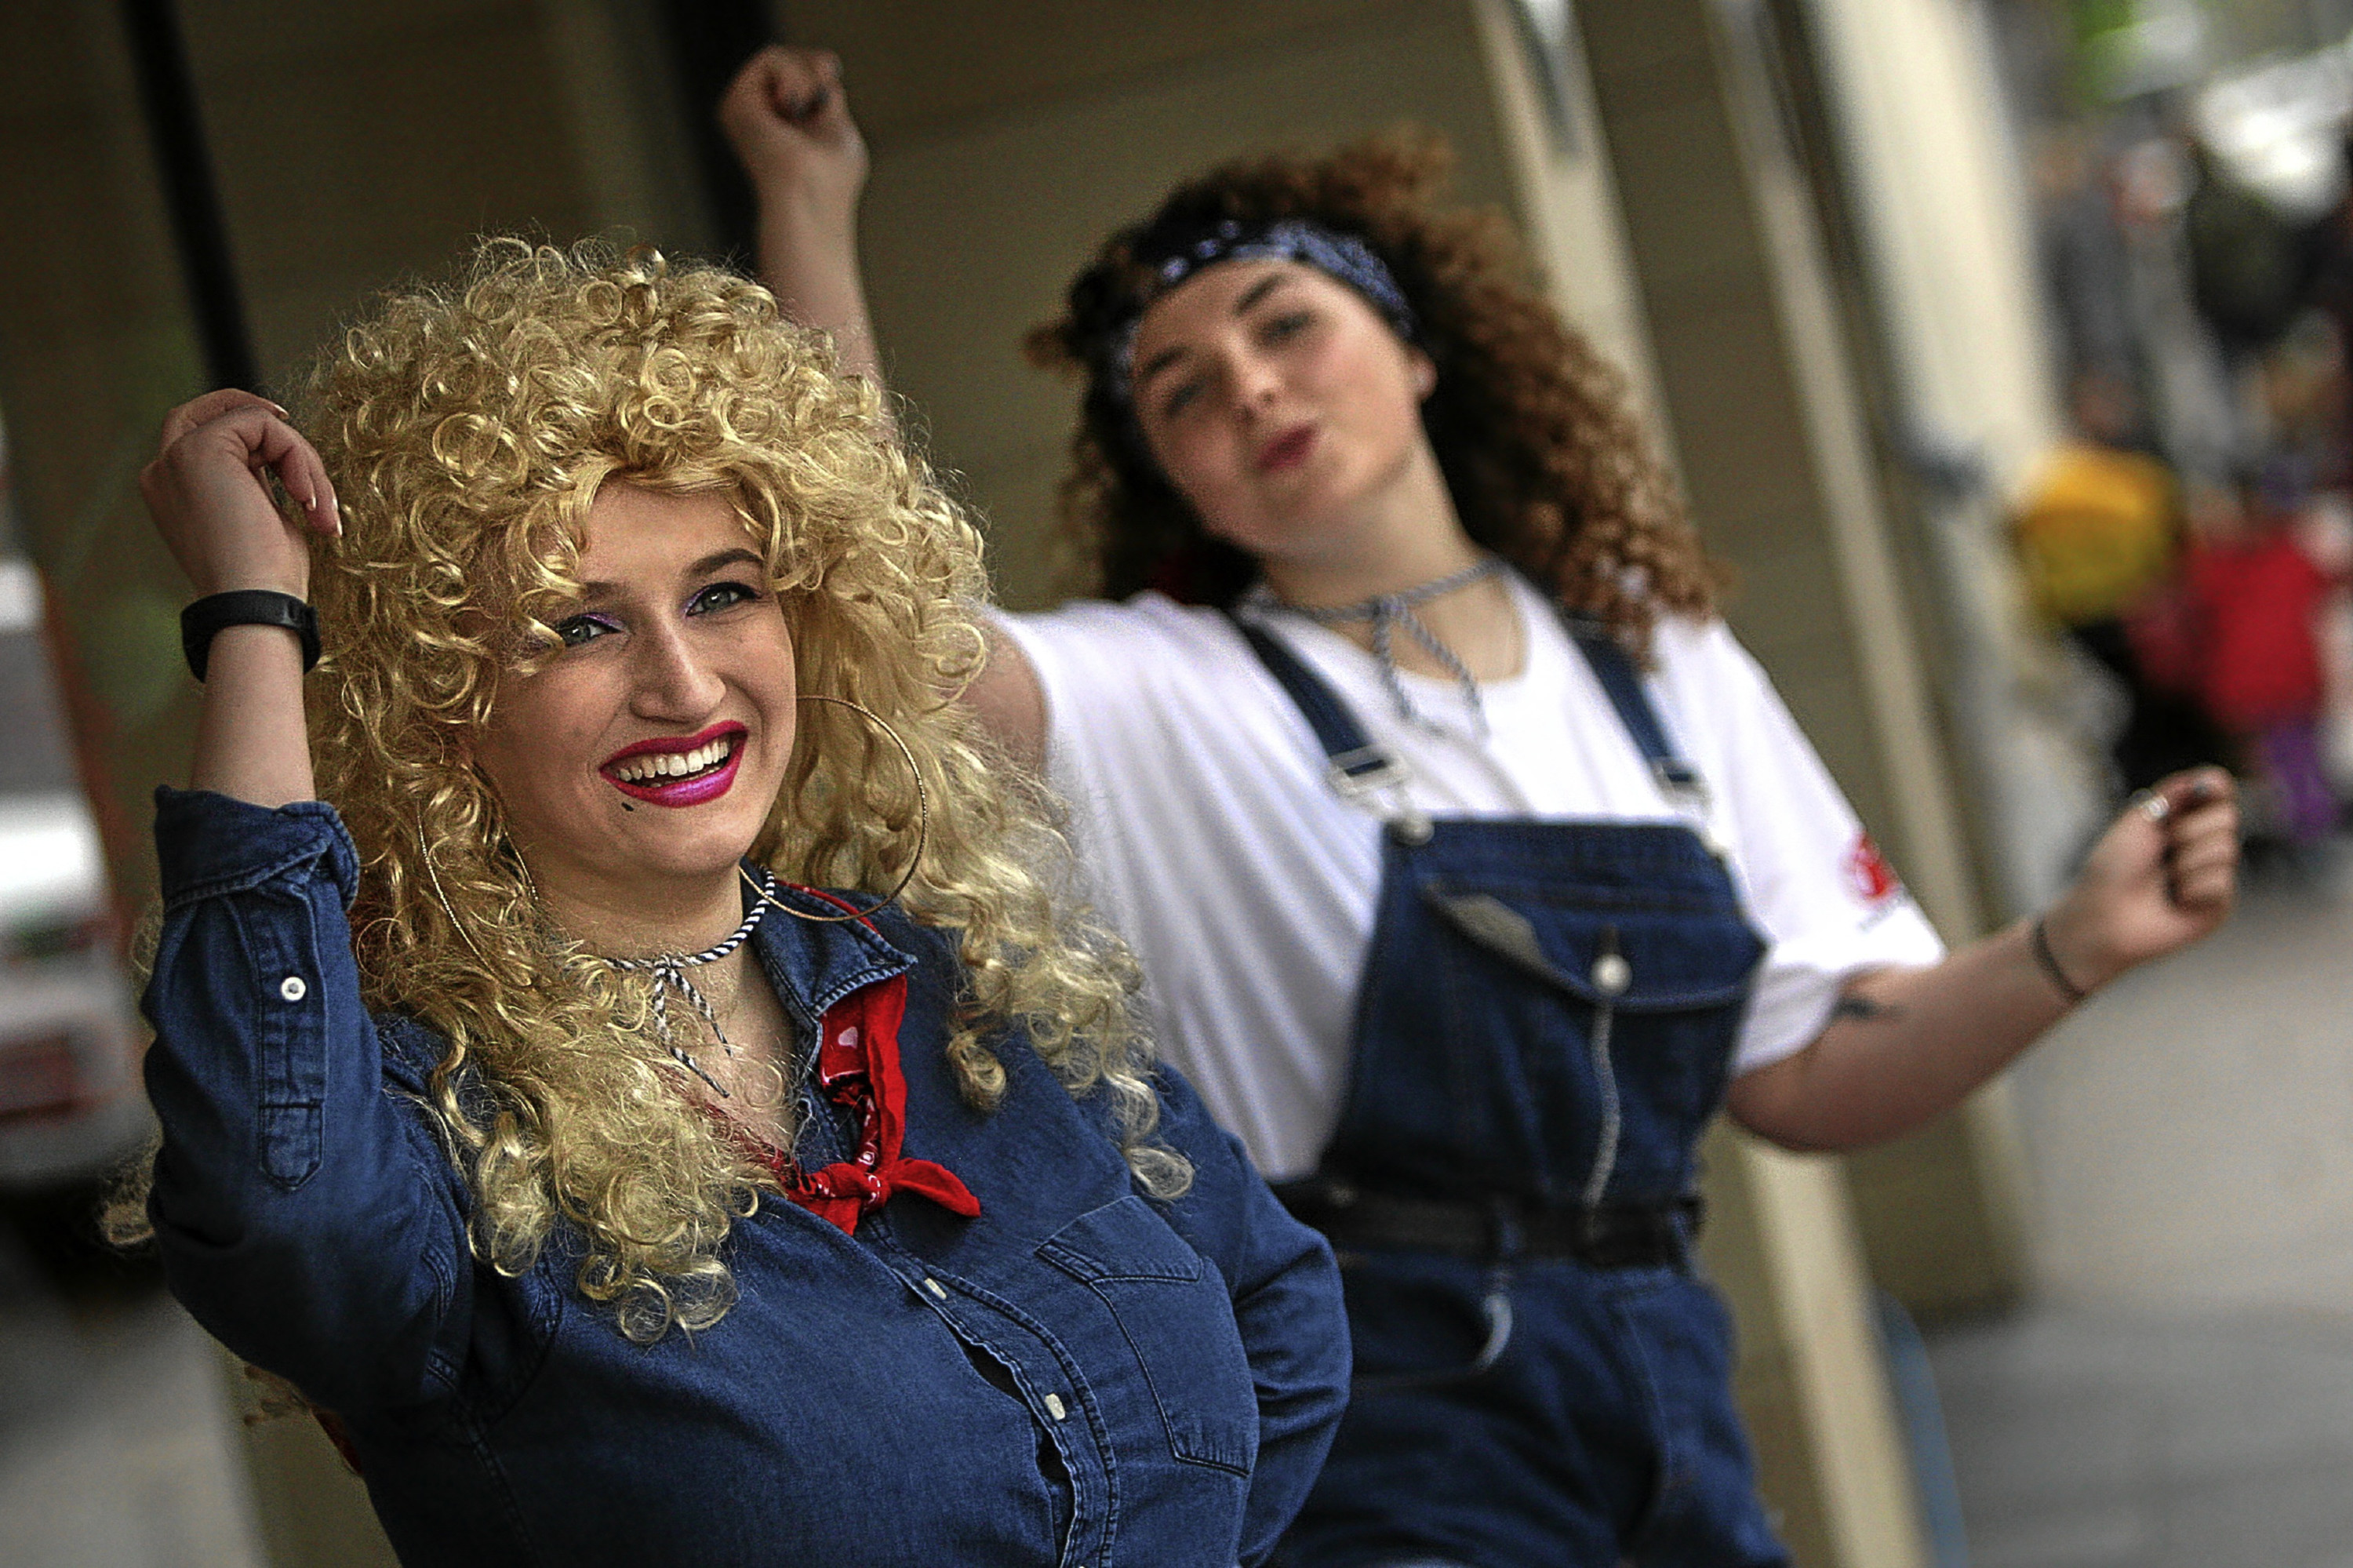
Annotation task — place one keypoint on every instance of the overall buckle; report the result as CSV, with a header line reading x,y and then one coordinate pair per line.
x,y
1681,783
1374,778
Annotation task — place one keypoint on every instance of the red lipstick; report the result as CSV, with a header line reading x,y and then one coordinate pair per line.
x,y
709,782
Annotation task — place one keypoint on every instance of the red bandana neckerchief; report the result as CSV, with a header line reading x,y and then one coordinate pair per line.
x,y
858,1066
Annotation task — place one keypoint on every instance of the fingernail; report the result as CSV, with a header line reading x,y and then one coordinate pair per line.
x,y
283,412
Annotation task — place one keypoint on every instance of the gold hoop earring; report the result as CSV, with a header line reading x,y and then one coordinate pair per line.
x,y
425,854
923,821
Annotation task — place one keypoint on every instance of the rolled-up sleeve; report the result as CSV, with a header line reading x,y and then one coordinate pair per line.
x,y
1287,1302
305,1210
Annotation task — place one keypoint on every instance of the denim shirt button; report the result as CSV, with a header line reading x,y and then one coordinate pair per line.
x,y
293,988
935,1288
1054,1406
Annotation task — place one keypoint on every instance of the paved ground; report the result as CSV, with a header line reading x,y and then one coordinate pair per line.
x,y
114,1444
2182,1391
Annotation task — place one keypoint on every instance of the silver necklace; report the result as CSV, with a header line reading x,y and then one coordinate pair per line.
x,y
1389,610
669,972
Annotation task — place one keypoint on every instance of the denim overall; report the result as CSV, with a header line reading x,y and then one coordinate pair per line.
x,y
1544,1031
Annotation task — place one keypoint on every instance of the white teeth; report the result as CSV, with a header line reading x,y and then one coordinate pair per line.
x,y
672,764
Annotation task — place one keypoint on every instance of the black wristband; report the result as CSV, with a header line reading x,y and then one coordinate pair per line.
x,y
2039,941
201,620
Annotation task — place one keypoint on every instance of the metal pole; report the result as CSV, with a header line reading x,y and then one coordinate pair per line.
x,y
167,95
709,41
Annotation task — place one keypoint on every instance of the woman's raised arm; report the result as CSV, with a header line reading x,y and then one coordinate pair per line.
x,y
209,494
789,121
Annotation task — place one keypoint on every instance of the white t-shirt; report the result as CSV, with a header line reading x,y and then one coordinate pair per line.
x,y
1213,842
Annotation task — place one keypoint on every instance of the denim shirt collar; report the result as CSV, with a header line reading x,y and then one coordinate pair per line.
x,y
814,964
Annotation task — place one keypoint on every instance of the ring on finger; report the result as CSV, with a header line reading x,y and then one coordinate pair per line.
x,y
2152,805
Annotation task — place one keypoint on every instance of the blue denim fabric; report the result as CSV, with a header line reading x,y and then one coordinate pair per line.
x,y
1473,1072
1080,1375
1606,1432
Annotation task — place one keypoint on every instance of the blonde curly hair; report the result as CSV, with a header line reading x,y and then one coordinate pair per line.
x,y
467,430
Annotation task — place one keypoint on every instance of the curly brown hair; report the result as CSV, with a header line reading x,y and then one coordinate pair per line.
x,y
1533,428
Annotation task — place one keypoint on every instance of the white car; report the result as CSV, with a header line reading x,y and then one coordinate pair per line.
x,y
69,1035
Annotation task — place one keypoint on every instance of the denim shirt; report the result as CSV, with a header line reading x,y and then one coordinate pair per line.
x,y
1080,1375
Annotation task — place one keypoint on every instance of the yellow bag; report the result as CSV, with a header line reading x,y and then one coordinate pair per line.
x,y
2096,533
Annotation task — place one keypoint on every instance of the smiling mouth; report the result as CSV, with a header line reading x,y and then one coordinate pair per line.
x,y
660,766
684,772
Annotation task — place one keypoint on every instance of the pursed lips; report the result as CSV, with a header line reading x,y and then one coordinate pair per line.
x,y
1287,449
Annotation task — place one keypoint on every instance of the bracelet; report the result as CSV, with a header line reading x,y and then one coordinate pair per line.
x,y
2040,940
205,619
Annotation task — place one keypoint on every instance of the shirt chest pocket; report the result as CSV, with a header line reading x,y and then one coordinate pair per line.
x,y
1184,1365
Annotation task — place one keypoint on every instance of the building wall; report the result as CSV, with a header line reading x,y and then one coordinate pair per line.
x,y
1937,193
1007,142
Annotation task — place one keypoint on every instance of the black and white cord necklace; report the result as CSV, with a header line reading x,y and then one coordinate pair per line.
x,y
669,972
1391,610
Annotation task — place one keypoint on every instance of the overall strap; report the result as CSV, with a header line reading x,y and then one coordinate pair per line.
x,y
1622,683
1337,729
1361,768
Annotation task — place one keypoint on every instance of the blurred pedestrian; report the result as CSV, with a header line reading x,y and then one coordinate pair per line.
x,y
2256,596
2098,540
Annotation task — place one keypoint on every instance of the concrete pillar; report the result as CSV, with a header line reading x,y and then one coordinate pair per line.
x,y
1751,330
1830,1456
1775,447
1915,125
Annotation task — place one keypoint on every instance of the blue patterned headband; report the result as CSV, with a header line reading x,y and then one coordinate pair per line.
x,y
1343,256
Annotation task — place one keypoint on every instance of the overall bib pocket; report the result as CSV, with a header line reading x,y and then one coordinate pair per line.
x,y
1602,1022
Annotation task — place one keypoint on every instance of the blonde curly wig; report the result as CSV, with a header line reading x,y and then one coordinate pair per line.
x,y
467,430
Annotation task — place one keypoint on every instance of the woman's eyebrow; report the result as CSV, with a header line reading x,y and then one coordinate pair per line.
x,y
1158,363
1259,290
593,592
732,556
1250,296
